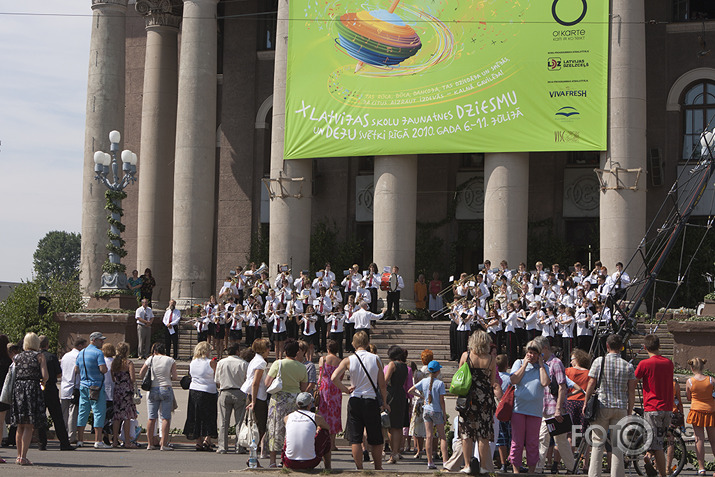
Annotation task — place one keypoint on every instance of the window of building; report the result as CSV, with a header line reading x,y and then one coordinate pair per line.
x,y
366,165
693,10
472,161
699,111
583,158
267,20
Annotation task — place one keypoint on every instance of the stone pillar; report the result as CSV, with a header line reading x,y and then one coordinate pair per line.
x,y
195,159
623,211
395,219
506,207
158,134
105,112
291,181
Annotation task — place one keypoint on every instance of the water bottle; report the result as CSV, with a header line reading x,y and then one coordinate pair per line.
x,y
253,455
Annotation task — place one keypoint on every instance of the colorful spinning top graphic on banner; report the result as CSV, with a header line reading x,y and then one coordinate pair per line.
x,y
378,38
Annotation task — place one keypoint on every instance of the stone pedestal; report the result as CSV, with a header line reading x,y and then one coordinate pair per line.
x,y
104,113
623,211
506,207
394,220
692,338
113,302
195,161
115,326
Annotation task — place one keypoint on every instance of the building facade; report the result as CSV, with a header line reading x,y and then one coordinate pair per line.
x,y
197,87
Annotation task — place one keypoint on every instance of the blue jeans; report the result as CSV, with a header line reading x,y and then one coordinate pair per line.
x,y
160,401
99,407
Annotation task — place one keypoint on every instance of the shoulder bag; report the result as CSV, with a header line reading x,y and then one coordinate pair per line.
x,y
146,380
248,432
277,384
378,395
592,405
8,385
505,408
461,380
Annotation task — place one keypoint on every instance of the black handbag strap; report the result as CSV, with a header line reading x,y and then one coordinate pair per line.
x,y
368,374
600,372
303,414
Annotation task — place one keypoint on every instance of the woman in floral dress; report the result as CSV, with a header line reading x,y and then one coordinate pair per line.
x,y
124,407
330,396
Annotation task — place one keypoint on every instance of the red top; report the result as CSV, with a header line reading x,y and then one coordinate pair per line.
x,y
657,375
435,286
580,377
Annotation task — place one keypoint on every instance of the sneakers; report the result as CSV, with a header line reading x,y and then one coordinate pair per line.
x,y
167,448
431,466
466,470
101,445
80,443
218,451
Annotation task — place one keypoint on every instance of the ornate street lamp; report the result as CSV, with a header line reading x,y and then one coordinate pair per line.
x,y
114,277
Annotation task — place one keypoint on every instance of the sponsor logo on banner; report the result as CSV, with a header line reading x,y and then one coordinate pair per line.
x,y
553,64
580,11
567,113
569,34
568,93
567,136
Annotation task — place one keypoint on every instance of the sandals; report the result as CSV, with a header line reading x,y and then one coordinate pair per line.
x,y
702,472
23,461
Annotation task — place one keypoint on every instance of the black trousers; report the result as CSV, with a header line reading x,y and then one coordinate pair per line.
x,y
373,300
453,355
322,329
52,403
584,342
349,332
393,304
511,347
170,340
338,337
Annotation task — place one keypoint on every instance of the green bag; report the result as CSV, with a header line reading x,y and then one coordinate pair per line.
x,y
461,381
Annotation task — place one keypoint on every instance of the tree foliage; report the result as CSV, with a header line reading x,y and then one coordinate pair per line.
x,y
20,312
57,255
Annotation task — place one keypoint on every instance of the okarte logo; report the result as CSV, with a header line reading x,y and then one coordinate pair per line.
x,y
568,22
553,64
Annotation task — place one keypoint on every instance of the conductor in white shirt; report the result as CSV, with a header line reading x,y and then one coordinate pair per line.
x,y
393,296
172,316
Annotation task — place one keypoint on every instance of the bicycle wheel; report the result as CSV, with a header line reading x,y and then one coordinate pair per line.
x,y
675,455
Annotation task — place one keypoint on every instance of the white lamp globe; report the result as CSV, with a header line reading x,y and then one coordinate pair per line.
x,y
115,137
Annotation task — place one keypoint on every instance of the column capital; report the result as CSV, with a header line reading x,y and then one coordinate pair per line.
x,y
104,3
160,13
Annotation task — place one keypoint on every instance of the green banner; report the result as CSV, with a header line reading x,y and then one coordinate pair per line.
x,y
387,77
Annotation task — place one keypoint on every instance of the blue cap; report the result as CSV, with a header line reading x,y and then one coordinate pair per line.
x,y
434,366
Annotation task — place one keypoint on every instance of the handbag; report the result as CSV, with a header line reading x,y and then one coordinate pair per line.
x,y
462,380
248,432
505,408
146,380
185,382
8,385
277,384
378,394
591,408
316,393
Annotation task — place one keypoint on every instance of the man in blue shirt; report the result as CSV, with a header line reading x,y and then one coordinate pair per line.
x,y
91,368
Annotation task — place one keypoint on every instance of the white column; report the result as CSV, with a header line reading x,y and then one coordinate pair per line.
x,y
158,134
290,213
105,112
506,207
195,160
623,211
394,219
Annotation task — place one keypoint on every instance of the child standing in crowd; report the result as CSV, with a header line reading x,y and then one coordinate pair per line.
x,y
432,390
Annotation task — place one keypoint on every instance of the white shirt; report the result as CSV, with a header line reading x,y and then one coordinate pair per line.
x,y
363,319
400,283
108,382
202,376
309,324
144,313
300,435
547,328
172,318
323,305
625,280
279,322
463,324
583,320
335,322
69,379
257,363
351,282
372,280
567,328
365,294
532,319
510,322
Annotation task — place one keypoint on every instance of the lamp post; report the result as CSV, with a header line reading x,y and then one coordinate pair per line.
x,y
114,277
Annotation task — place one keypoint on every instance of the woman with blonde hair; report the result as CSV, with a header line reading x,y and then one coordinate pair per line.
x,y
28,399
202,408
255,388
124,408
699,390
476,419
